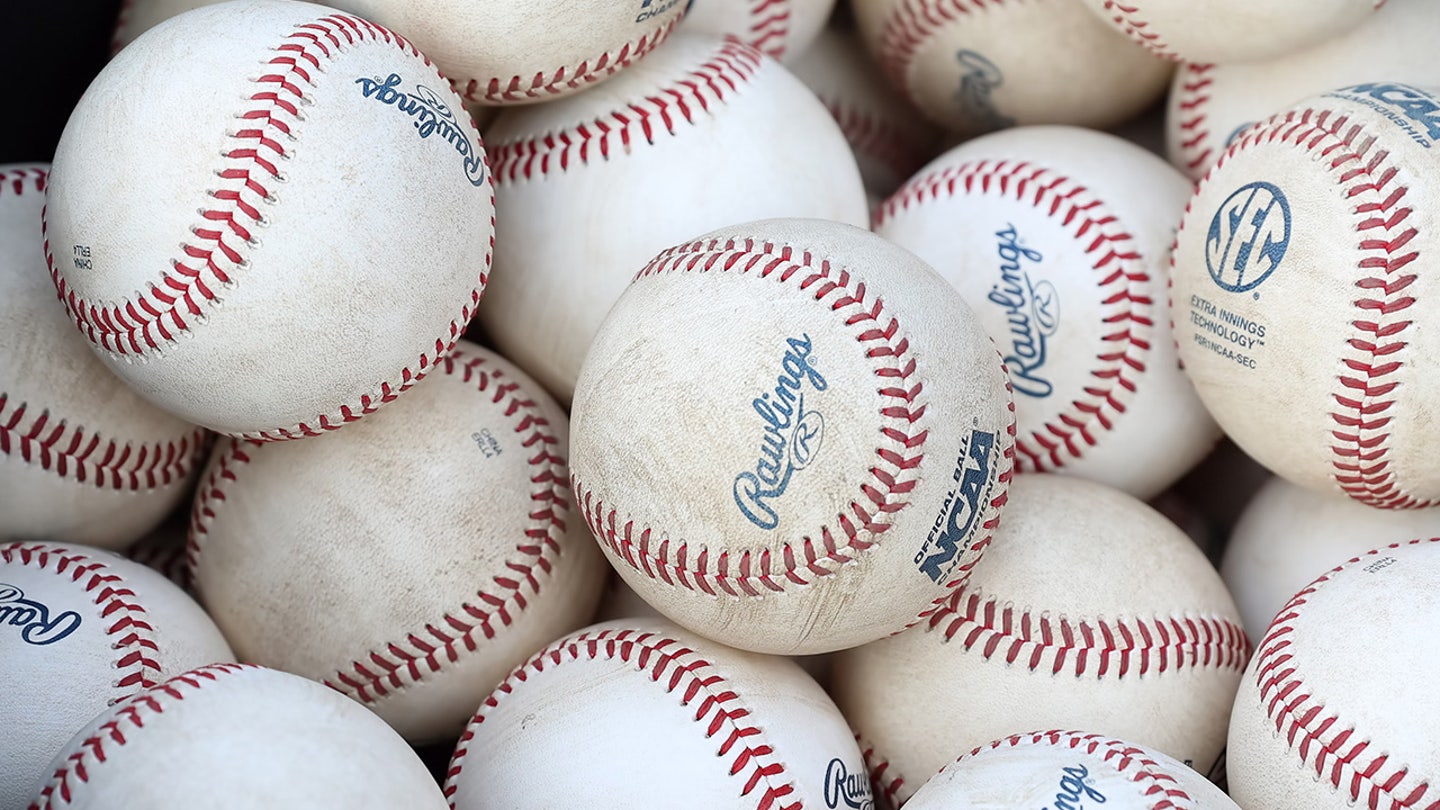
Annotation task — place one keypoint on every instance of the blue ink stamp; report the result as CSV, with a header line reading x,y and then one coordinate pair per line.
x,y
1248,237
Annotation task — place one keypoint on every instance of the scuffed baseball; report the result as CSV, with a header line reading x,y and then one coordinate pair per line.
x,y
1210,104
835,442
781,29
82,457
1289,535
1337,709
1068,769
1231,30
975,67
639,712
235,737
1090,610
1059,239
704,133
301,249
80,630
411,561
1301,307
503,53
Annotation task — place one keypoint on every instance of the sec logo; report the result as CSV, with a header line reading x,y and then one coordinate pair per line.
x,y
1248,237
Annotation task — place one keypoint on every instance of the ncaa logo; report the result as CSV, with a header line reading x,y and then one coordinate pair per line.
x,y
1248,237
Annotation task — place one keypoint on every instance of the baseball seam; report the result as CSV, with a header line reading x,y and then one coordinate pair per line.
x,y
895,474
215,256
131,635
1159,786
910,24
1116,262
873,136
711,83
885,780
1369,367
677,668
565,78
769,30
1120,647
394,665
1299,715
1193,131
91,753
1134,25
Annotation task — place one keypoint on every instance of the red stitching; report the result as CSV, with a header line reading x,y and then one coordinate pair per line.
x,y
1307,725
911,24
1120,275
711,83
1194,132
750,573
130,719
131,635
20,179
1367,380
1163,789
216,253
678,669
1130,21
886,782
1132,647
567,78
769,30
876,138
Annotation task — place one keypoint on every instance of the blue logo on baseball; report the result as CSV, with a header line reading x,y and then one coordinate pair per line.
x,y
1248,237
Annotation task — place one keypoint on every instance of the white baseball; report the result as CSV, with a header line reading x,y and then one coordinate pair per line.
x,y
1289,535
138,16
636,712
438,536
889,137
1337,709
1210,104
235,737
1059,239
704,133
231,245
82,457
1301,307
82,629
1067,769
1090,610
791,436
975,66
521,53
781,29
1231,30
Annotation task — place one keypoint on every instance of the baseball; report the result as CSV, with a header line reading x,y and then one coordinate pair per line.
x,y
235,737
411,561
1299,303
835,445
1068,769
781,29
82,629
1211,104
259,269
520,53
638,712
1336,710
704,133
1289,535
1059,239
1230,30
1090,610
976,67
82,457
138,16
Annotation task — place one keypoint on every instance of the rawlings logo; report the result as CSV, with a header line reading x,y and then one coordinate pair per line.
x,y
978,81
1248,237
845,789
1032,310
431,116
951,532
33,618
1075,789
792,435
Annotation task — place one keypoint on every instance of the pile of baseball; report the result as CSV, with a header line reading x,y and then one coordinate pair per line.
x,y
781,406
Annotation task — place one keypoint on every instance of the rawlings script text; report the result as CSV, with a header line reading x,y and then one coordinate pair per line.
x,y
791,439
431,116
1032,313
1074,791
36,624
845,789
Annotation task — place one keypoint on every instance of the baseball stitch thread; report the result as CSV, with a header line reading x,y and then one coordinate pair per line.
x,y
886,780
716,706
91,753
1375,351
1132,23
1120,648
127,625
1324,741
716,79
1120,275
398,664
893,477
567,78
769,29
1156,784
911,24
1194,130
216,253
873,137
